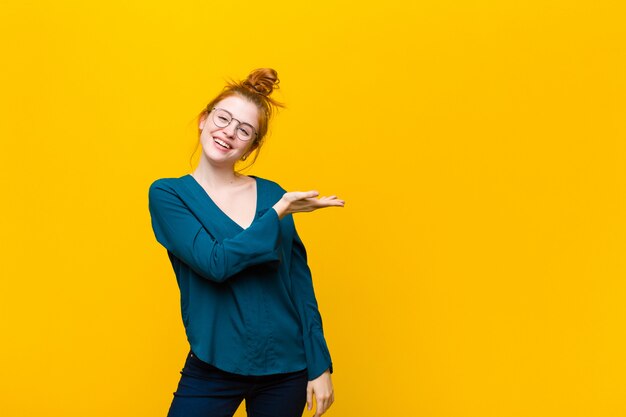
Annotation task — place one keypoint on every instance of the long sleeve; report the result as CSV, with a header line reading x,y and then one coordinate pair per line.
x,y
181,233
315,347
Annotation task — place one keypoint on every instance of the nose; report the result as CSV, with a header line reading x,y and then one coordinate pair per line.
x,y
230,129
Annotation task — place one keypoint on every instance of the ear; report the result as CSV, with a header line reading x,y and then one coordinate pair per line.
x,y
202,121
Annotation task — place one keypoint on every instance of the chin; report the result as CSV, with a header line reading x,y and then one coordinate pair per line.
x,y
219,159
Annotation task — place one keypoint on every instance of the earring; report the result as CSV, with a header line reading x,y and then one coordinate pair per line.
x,y
243,158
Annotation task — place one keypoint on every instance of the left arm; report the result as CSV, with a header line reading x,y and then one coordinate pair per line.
x,y
315,348
319,362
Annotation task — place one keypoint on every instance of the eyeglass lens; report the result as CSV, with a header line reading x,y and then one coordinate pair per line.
x,y
222,118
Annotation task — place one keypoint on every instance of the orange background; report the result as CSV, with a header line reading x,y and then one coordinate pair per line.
x,y
476,270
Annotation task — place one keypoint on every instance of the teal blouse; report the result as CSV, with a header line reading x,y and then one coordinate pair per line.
x,y
247,298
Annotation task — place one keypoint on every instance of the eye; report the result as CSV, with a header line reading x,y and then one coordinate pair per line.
x,y
247,128
222,118
244,132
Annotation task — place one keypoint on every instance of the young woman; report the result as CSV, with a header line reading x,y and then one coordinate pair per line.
x,y
247,299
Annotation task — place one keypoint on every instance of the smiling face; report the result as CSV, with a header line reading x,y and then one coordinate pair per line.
x,y
221,145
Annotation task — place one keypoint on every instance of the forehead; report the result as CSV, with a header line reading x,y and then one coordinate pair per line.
x,y
241,109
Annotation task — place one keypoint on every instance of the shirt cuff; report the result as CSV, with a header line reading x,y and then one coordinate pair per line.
x,y
317,355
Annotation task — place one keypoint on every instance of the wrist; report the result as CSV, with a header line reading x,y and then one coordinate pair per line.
x,y
281,208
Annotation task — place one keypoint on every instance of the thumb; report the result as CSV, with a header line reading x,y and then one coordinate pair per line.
x,y
309,396
310,194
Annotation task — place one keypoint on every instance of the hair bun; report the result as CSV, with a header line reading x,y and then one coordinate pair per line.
x,y
262,81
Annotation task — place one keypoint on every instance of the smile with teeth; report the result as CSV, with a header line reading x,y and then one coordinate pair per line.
x,y
221,143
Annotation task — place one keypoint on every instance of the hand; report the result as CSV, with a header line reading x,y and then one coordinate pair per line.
x,y
322,387
303,201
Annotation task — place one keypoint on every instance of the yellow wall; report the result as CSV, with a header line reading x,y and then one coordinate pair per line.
x,y
476,270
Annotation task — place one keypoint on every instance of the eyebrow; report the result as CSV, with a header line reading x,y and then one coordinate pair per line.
x,y
233,116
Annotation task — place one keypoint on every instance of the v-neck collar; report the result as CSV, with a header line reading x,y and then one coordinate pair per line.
x,y
256,209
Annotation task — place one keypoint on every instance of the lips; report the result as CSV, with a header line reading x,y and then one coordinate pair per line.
x,y
221,143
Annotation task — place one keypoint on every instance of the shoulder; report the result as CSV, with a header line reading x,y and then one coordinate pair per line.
x,y
167,182
163,187
271,185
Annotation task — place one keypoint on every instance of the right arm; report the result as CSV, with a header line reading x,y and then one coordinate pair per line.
x,y
179,231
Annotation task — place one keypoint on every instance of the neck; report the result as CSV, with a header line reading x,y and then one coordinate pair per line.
x,y
215,176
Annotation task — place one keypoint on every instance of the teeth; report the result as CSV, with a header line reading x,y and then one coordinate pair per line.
x,y
222,143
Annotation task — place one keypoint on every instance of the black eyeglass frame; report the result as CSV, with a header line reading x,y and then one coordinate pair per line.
x,y
239,123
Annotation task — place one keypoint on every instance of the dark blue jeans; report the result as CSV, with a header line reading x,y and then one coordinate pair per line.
x,y
206,391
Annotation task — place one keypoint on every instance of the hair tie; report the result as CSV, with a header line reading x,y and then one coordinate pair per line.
x,y
249,84
259,88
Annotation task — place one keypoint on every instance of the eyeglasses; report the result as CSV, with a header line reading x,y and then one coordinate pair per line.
x,y
223,118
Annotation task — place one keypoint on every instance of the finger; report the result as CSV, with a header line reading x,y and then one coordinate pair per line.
x,y
318,411
327,404
322,403
331,198
335,203
322,406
